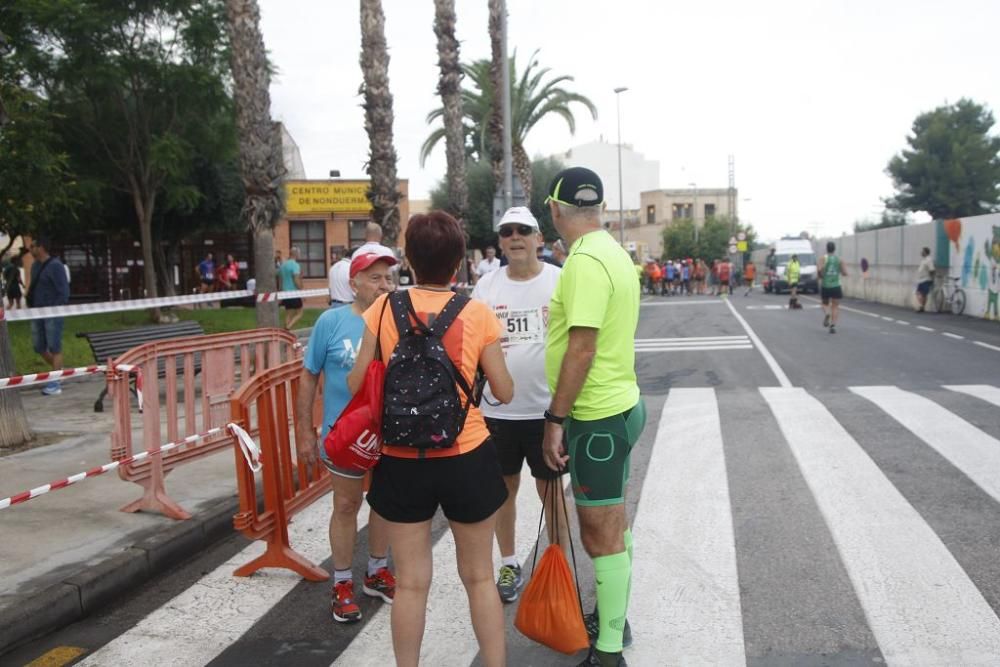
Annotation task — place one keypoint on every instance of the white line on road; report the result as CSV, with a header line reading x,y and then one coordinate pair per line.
x,y
200,623
681,303
974,452
764,352
689,339
986,345
692,615
694,348
903,322
951,335
923,328
903,575
888,319
986,392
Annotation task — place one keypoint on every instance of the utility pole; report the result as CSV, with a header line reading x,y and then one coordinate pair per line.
x,y
621,201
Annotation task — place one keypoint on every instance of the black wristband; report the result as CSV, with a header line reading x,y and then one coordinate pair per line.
x,y
549,417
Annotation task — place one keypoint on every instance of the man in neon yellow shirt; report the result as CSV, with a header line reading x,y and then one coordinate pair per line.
x,y
596,414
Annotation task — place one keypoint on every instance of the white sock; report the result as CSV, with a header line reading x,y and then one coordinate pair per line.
x,y
510,561
342,575
376,564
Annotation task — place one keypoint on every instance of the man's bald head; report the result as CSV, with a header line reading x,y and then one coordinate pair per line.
x,y
373,232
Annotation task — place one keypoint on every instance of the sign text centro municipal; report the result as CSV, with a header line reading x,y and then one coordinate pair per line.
x,y
320,197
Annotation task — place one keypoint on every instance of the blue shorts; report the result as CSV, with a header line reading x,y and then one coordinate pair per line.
x,y
46,335
925,287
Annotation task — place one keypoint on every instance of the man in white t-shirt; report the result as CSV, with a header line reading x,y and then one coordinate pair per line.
x,y
341,293
519,294
490,263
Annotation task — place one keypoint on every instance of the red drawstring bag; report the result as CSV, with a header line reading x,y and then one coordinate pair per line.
x,y
551,611
354,441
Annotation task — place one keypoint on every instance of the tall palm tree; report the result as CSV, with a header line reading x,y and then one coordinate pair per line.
x,y
383,191
450,89
261,159
494,126
532,98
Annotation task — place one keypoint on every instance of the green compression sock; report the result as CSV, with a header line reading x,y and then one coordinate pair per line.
x,y
628,550
612,574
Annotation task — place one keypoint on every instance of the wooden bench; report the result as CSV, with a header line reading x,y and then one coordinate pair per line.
x,y
109,344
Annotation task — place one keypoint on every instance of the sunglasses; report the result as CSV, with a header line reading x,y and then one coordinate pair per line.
x,y
523,230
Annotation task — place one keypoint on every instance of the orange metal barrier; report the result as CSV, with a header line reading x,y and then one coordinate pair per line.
x,y
190,380
288,486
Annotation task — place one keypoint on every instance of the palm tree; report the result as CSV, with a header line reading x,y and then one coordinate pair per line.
x,y
261,159
494,126
450,89
383,192
532,98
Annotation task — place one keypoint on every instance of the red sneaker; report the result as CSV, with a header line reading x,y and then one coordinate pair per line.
x,y
342,604
381,585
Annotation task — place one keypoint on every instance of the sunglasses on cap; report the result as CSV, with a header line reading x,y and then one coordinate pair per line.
x,y
523,230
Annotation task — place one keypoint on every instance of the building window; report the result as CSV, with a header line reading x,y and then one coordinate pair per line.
x,y
651,215
709,211
309,236
357,233
681,211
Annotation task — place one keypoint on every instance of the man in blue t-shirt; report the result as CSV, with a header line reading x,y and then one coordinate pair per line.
x,y
49,286
332,348
290,278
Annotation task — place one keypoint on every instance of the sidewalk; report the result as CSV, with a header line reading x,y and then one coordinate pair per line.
x,y
68,552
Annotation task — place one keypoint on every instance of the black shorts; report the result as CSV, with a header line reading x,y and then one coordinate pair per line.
x,y
469,487
291,304
517,440
827,293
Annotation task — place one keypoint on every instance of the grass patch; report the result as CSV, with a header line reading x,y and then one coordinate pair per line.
x,y
76,352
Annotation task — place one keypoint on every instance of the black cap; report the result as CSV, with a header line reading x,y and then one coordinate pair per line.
x,y
577,186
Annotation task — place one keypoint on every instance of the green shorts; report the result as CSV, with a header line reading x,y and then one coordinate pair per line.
x,y
599,455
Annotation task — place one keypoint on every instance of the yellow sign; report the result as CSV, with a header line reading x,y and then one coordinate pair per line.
x,y
327,197
741,246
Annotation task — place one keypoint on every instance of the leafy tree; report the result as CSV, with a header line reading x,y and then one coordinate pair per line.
x,y
889,218
713,238
952,166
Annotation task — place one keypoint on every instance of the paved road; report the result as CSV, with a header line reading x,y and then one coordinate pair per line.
x,y
798,498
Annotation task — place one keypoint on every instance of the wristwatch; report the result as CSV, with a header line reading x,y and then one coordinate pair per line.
x,y
549,417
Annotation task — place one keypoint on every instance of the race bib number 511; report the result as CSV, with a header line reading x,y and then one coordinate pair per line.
x,y
522,326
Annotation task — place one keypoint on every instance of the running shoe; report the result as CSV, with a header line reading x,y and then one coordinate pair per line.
x,y
342,604
601,659
509,583
52,389
592,622
381,585
826,320
833,329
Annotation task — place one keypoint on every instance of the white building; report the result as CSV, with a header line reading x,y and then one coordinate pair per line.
x,y
638,173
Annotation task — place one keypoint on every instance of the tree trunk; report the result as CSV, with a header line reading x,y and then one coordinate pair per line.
x,y
383,192
522,167
144,213
14,428
261,159
495,126
450,89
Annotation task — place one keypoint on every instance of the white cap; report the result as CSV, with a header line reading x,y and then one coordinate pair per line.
x,y
517,215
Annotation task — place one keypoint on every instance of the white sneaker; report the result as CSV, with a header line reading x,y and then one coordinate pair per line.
x,y
52,389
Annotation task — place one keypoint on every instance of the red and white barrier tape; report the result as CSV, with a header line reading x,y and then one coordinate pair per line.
x,y
107,467
41,378
143,304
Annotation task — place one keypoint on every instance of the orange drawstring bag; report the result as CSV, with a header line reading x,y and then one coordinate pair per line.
x,y
551,611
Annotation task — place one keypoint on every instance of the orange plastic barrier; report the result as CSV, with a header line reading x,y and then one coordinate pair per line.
x,y
288,486
191,380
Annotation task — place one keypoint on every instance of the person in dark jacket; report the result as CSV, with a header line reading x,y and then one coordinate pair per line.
x,y
48,287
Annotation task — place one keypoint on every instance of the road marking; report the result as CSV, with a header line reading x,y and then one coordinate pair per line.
x,y
951,335
448,635
681,302
986,392
694,348
768,357
692,615
923,328
57,657
974,452
902,573
903,322
986,345
888,319
690,339
198,624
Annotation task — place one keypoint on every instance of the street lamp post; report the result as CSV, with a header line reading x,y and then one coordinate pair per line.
x,y
621,201
694,212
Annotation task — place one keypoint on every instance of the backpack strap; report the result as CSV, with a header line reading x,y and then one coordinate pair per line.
x,y
401,306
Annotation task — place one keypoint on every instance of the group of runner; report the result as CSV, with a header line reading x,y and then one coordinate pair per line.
x,y
694,276
556,347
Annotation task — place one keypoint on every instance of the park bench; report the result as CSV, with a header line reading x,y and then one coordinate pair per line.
x,y
111,344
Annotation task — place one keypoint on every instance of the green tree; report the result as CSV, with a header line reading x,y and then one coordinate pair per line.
x,y
952,165
532,99
713,238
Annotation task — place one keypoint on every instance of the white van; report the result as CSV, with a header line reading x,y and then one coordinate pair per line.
x,y
783,251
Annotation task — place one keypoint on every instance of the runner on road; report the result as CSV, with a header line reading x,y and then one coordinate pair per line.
x,y
519,294
596,413
749,275
792,273
830,271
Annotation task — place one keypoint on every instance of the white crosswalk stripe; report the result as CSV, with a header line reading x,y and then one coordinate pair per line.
x,y
981,391
693,343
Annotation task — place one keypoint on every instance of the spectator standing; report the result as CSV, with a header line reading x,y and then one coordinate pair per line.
x,y
405,274
13,283
339,279
48,287
206,273
559,252
332,348
464,479
489,263
373,242
291,280
686,277
792,273
925,278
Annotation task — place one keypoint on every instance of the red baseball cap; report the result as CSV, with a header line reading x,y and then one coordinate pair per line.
x,y
364,261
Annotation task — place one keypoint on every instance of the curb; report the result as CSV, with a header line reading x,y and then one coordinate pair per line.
x,y
88,589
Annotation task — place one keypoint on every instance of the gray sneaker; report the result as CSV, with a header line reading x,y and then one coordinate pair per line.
x,y
593,624
509,583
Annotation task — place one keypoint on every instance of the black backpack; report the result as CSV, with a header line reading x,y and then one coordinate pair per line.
x,y
421,406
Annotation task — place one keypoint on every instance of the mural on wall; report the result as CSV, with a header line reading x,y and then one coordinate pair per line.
x,y
974,257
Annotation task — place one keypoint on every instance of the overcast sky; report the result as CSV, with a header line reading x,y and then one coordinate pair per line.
x,y
811,96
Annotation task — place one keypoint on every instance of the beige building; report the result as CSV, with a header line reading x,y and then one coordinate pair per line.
x,y
658,208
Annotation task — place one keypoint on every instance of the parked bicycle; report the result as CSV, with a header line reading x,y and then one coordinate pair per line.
x,y
948,295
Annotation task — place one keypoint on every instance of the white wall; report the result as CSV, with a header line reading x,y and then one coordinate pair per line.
x,y
638,173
